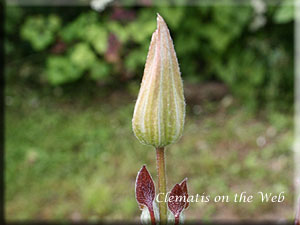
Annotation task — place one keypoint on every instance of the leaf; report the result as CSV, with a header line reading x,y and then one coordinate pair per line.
x,y
135,59
183,186
141,30
82,56
40,31
100,71
145,191
284,14
97,36
177,201
144,188
120,31
78,29
61,70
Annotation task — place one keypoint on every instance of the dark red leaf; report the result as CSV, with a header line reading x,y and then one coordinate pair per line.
x,y
183,186
144,188
145,191
177,200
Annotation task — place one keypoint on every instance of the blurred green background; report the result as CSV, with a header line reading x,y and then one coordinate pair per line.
x,y
72,77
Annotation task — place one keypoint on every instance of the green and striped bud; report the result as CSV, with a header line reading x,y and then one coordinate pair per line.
x,y
159,112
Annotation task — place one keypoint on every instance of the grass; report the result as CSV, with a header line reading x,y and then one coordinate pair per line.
x,y
77,158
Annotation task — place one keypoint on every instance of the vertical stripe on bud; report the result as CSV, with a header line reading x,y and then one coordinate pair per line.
x,y
159,112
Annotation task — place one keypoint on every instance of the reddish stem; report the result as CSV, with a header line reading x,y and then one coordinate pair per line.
x,y
152,216
176,219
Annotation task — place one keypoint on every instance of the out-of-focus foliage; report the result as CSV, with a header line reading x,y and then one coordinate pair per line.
x,y
74,160
40,31
247,47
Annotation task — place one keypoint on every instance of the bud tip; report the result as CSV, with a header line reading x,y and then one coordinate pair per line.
x,y
160,21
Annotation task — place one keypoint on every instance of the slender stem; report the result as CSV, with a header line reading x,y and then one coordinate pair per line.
x,y
162,183
176,220
152,216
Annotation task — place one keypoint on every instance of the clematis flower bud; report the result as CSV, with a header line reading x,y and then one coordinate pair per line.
x,y
159,112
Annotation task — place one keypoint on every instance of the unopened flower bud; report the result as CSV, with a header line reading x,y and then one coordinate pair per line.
x,y
159,112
